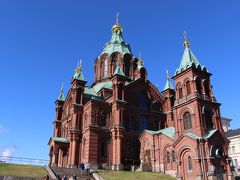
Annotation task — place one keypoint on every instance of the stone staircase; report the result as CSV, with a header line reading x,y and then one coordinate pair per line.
x,y
70,172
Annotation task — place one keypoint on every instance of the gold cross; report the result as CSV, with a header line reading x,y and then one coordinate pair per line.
x,y
117,18
185,35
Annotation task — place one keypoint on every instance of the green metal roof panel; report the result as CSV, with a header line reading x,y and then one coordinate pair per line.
x,y
98,87
116,44
79,76
168,85
152,132
206,136
170,131
60,139
118,70
61,96
90,93
189,60
209,133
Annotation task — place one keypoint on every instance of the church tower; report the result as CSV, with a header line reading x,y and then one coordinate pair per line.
x,y
196,109
74,134
169,94
116,50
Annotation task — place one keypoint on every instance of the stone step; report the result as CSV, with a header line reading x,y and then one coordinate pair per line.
x,y
70,172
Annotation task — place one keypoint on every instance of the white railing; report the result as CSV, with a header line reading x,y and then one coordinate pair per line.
x,y
22,160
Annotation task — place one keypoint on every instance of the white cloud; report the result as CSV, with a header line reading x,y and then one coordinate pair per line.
x,y
3,129
7,152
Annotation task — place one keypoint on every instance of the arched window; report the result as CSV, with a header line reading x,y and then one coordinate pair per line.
x,y
83,148
78,96
168,157
187,121
143,123
199,86
172,100
188,87
99,70
173,156
208,120
104,149
180,93
105,68
142,99
120,91
126,67
190,166
103,119
206,88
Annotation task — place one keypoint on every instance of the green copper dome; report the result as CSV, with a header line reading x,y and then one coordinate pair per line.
x,y
117,44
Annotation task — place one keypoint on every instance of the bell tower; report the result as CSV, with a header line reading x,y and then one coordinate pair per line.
x,y
116,49
77,90
195,108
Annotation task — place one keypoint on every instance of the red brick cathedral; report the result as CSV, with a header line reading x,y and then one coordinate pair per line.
x,y
123,120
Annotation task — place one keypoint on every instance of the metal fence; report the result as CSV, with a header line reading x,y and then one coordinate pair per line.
x,y
21,160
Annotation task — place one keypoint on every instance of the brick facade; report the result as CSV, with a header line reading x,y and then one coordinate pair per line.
x,y
123,120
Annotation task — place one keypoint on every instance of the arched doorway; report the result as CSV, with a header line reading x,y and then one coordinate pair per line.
x,y
187,165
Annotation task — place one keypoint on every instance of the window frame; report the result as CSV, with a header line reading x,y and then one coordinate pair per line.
x,y
187,121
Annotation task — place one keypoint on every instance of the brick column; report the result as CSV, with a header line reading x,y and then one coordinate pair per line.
x,y
55,157
229,173
117,152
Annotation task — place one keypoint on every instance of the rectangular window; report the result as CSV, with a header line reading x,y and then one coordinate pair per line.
x,y
229,150
180,93
143,123
235,162
105,68
233,149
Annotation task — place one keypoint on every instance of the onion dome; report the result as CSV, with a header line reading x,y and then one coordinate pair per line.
x,y
117,43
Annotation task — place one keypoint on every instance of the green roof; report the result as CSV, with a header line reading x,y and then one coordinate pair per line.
x,y
61,96
91,93
209,133
205,136
170,131
116,44
168,85
189,60
78,73
98,87
60,139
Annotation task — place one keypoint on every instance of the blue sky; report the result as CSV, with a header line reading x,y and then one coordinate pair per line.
x,y
41,42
